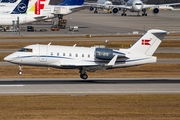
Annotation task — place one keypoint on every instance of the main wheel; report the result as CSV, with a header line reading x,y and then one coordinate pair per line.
x,y
84,76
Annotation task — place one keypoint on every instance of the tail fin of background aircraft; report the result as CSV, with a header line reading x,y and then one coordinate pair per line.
x,y
8,1
71,2
37,7
149,42
21,7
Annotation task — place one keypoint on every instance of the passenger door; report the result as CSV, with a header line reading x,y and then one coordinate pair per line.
x,y
42,53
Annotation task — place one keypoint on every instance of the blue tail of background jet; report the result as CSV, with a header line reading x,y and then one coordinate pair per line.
x,y
71,2
8,1
21,8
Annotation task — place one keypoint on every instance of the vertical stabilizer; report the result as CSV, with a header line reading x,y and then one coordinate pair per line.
x,y
37,6
21,8
149,42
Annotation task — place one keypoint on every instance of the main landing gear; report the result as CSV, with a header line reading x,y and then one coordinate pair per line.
x,y
144,12
124,12
20,70
95,11
83,74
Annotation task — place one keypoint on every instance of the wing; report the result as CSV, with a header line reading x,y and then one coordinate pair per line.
x,y
78,8
153,6
122,6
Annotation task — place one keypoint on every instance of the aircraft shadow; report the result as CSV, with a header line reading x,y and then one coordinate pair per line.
x,y
101,81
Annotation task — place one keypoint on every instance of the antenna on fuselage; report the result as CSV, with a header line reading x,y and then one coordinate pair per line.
x,y
49,43
74,45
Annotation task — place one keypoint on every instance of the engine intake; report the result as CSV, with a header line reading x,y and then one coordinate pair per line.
x,y
155,11
104,53
91,8
115,10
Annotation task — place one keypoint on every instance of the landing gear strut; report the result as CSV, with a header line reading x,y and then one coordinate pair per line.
x,y
124,12
95,11
83,74
20,70
144,12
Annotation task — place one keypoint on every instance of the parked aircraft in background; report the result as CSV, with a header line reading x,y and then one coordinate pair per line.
x,y
41,11
166,7
100,4
89,59
9,8
129,2
14,8
138,6
8,1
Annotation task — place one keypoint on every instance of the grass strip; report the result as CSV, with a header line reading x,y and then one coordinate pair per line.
x,y
143,71
90,107
116,44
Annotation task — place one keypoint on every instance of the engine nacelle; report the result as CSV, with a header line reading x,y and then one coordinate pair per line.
x,y
155,11
104,53
91,8
115,10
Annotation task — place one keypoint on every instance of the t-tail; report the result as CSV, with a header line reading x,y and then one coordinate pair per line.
x,y
149,42
21,7
71,2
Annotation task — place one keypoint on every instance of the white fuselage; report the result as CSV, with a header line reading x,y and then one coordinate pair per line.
x,y
46,13
137,6
72,57
107,5
23,18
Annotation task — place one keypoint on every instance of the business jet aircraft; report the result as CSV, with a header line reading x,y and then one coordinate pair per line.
x,y
138,6
89,59
41,11
100,4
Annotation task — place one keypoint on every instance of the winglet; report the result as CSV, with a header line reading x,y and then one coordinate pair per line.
x,y
113,60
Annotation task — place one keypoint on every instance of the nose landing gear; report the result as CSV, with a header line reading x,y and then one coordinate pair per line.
x,y
20,70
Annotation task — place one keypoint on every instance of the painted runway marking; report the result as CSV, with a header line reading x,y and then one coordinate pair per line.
x,y
11,85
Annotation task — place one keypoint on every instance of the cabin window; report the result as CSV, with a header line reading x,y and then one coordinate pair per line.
x,y
51,53
25,50
76,55
82,55
138,4
88,55
57,54
64,54
70,54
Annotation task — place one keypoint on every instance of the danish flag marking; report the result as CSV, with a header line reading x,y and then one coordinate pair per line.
x,y
146,42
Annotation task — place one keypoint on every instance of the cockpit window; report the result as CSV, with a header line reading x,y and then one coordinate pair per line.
x,y
25,50
138,4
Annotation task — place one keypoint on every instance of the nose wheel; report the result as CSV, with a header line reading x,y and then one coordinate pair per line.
x,y
20,70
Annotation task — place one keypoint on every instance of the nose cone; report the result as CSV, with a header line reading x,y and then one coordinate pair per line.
x,y
7,58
